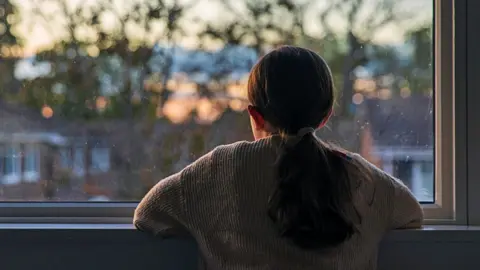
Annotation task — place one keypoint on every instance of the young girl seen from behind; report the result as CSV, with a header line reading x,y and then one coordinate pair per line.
x,y
286,200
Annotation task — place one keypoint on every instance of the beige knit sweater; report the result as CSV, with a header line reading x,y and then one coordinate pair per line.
x,y
221,200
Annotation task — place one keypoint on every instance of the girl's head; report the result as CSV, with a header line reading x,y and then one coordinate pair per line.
x,y
291,93
290,88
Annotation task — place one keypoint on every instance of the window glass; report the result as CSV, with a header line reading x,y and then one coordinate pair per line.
x,y
12,169
65,155
100,159
32,158
12,161
160,83
31,171
79,161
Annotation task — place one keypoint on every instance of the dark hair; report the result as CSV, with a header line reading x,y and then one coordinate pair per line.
x,y
293,89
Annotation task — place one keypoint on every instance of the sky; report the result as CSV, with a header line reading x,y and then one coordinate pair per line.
x,y
209,10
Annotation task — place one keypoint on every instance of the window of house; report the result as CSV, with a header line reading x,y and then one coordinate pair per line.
x,y
79,161
32,163
66,159
170,95
100,159
12,168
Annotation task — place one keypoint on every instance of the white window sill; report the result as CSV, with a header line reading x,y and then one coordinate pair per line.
x,y
31,177
11,179
15,178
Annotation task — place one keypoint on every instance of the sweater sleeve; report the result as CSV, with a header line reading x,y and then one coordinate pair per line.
x,y
407,212
161,211
395,203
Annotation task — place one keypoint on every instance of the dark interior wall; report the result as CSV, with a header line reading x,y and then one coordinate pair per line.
x,y
125,248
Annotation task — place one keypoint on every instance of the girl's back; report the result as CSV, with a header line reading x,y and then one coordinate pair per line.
x,y
287,200
222,201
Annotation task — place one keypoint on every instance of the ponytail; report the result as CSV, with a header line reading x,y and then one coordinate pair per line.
x,y
308,206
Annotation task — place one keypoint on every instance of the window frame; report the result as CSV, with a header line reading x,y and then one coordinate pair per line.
x,y
450,115
473,112
450,207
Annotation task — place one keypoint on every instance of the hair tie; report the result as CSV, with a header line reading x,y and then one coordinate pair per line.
x,y
293,140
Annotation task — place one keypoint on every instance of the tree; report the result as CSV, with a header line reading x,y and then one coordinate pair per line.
x,y
256,26
408,66
364,19
9,50
131,39
419,73
260,25
86,54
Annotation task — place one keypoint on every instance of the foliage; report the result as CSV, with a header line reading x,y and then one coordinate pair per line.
x,y
9,50
363,19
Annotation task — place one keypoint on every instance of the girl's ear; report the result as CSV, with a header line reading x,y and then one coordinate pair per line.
x,y
257,117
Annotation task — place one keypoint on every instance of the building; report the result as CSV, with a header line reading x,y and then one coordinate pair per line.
x,y
36,153
397,135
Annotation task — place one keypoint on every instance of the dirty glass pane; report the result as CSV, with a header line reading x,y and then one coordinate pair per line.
x,y
101,99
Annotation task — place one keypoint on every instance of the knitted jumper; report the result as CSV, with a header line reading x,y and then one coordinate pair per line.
x,y
221,200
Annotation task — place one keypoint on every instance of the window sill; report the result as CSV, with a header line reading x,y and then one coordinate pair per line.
x,y
64,226
120,246
11,179
122,226
437,234
430,233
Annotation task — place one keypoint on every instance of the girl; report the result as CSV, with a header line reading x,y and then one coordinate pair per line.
x,y
286,200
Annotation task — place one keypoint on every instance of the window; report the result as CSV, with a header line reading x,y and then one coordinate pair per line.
x,y
12,170
169,95
32,163
100,159
66,160
79,161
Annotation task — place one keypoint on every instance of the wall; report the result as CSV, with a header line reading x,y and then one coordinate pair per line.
x,y
118,247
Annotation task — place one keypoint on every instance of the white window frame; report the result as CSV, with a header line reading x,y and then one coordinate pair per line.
x,y
450,116
450,84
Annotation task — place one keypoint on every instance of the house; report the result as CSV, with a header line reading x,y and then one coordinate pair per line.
x,y
26,139
397,135
35,153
